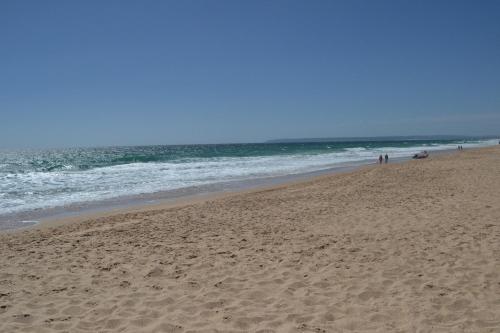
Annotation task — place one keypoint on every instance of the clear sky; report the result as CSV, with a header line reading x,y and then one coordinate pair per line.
x,y
85,73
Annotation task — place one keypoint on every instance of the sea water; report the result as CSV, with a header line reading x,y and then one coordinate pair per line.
x,y
34,180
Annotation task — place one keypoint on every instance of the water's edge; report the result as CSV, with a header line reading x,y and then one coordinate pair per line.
x,y
28,219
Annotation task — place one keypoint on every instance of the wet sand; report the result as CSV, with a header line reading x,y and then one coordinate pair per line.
x,y
77,211
411,247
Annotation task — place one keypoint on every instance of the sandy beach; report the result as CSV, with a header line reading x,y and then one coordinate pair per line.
x,y
410,247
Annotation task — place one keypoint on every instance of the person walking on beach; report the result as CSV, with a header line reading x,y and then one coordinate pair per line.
x,y
380,158
386,158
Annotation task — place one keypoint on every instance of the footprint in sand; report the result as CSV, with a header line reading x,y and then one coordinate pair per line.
x,y
24,318
459,304
73,311
113,323
165,327
156,272
366,295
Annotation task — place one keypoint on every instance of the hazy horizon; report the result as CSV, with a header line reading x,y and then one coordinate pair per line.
x,y
395,138
86,74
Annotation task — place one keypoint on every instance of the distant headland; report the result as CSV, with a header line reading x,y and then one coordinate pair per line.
x,y
383,138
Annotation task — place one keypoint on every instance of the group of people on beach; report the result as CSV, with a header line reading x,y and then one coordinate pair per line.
x,y
460,147
381,159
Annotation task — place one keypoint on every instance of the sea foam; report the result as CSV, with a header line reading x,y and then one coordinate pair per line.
x,y
45,181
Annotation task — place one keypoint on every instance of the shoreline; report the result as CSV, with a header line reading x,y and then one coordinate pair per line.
x,y
395,248
192,199
183,196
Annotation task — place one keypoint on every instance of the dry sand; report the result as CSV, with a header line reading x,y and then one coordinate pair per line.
x,y
412,247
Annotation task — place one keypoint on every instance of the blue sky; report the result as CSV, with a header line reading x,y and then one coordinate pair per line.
x,y
85,73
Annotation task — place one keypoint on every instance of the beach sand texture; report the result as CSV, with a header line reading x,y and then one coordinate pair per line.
x,y
411,247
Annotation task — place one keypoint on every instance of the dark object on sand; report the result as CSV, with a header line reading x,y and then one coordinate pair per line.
x,y
420,155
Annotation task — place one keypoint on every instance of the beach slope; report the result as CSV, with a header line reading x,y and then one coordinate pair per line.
x,y
410,247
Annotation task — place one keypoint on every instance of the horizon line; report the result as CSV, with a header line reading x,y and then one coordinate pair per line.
x,y
282,140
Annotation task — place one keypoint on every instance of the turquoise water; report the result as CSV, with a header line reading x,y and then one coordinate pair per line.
x,y
24,161
40,179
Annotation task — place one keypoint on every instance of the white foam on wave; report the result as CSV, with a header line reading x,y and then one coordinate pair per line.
x,y
36,190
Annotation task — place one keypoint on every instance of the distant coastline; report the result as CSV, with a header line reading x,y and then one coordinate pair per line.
x,y
384,138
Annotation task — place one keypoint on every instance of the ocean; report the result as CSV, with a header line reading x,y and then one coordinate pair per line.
x,y
36,181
